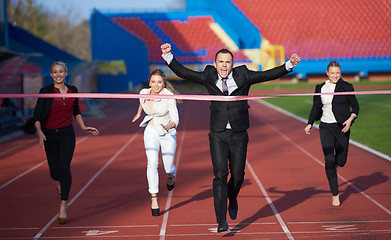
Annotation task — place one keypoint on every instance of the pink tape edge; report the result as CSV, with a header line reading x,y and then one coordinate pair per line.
x,y
183,97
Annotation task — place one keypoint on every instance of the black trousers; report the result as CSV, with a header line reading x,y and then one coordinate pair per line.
x,y
228,150
59,148
335,146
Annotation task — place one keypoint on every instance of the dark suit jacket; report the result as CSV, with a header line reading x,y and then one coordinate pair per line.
x,y
236,112
342,105
42,108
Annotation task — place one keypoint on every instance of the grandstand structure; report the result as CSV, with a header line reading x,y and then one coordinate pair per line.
x,y
24,68
261,34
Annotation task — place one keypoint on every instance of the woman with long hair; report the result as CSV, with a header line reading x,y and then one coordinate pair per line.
x,y
160,124
53,118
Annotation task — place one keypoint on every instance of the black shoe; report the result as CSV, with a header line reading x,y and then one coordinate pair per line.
x,y
222,227
155,211
170,187
233,208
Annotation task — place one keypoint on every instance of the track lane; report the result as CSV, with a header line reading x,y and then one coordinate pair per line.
x,y
116,205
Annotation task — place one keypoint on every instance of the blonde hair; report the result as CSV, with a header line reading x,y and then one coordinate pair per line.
x,y
59,63
333,64
167,84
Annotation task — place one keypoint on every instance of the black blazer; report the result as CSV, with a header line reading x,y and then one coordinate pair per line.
x,y
236,112
342,105
42,108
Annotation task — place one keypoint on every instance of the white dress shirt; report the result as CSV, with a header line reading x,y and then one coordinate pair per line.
x,y
327,99
164,111
231,84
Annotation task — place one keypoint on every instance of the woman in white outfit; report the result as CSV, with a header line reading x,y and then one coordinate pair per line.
x,y
160,124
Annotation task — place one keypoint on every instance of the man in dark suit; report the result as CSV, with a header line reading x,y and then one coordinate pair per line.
x,y
229,121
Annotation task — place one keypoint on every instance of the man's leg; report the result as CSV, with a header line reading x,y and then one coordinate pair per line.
x,y
219,151
237,162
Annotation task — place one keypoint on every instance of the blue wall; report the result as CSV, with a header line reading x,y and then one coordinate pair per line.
x,y
22,41
111,42
231,19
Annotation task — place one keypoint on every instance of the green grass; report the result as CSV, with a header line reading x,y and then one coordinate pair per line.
x,y
288,85
371,128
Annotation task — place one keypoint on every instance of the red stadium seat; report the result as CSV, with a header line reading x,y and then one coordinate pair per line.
x,y
352,28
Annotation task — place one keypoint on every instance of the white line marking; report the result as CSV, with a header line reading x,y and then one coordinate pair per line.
x,y
35,167
6,229
322,164
169,198
376,104
22,174
17,146
44,161
90,181
349,227
97,232
300,119
210,224
129,226
324,233
270,202
342,222
350,231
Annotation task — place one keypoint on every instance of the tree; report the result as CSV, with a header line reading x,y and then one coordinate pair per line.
x,y
59,29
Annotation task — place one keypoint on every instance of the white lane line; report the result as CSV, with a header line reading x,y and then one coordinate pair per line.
x,y
35,167
44,161
266,235
22,174
16,228
270,202
342,222
97,227
300,119
213,224
322,164
17,146
169,197
89,182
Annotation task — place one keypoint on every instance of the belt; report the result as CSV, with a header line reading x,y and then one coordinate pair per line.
x,y
58,130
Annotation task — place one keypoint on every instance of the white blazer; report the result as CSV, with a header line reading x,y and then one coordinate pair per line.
x,y
164,111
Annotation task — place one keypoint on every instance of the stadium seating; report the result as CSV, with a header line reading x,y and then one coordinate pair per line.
x,y
11,71
140,29
8,120
192,40
17,65
323,29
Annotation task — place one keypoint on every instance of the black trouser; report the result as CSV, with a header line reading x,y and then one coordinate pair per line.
x,y
335,146
228,150
59,148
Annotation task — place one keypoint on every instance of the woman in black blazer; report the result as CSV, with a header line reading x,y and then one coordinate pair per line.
x,y
53,121
337,114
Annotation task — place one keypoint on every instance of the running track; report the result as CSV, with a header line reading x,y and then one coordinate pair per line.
x,y
285,194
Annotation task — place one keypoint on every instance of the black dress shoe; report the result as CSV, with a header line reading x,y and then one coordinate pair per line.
x,y
222,227
155,211
170,187
233,208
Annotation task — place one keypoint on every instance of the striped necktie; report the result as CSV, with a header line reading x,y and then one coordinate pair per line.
x,y
225,87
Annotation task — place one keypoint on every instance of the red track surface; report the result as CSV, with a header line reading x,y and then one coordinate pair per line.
x,y
285,194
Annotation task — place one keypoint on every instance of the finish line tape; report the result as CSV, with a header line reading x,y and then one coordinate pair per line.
x,y
183,97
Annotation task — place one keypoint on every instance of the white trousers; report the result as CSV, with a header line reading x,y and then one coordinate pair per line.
x,y
153,142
